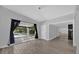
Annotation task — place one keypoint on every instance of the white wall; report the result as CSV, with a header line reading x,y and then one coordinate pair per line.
x,y
76,29
5,21
44,31
53,31
63,26
48,31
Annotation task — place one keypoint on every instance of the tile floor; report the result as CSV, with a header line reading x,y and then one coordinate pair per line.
x,y
59,45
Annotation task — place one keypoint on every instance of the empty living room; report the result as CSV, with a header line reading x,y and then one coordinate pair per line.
x,y
39,29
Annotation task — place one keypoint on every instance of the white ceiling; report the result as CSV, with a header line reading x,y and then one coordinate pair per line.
x,y
44,13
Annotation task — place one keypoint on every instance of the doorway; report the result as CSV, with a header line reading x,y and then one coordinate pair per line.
x,y
70,31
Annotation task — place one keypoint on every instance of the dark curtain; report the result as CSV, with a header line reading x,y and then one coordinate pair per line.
x,y
36,35
14,24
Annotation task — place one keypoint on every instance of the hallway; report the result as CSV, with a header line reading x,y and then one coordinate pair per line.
x,y
59,45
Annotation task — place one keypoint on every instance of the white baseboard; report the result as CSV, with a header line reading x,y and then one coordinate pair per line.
x,y
3,46
7,45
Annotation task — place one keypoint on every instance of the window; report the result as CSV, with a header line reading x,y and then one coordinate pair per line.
x,y
25,29
20,30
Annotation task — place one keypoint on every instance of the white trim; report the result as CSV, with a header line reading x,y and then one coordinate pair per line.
x,y
4,46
